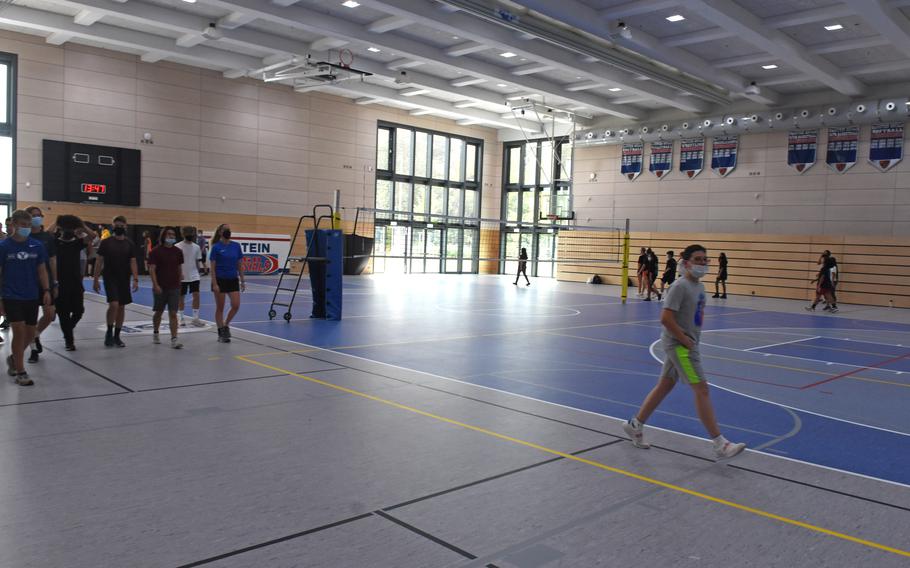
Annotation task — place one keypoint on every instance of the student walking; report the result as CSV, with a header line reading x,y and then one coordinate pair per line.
x,y
226,258
116,261
74,239
682,319
721,279
189,281
522,266
653,266
165,263
48,311
10,230
642,272
669,275
824,284
23,269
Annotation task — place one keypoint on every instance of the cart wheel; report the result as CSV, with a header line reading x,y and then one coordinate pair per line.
x,y
287,316
272,314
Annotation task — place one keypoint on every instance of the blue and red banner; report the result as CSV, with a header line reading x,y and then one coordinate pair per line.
x,y
692,156
723,154
802,148
631,160
661,159
842,144
886,147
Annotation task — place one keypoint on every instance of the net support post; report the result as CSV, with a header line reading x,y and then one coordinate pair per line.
x,y
336,209
625,264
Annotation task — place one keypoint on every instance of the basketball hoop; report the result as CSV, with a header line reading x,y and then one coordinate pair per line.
x,y
345,58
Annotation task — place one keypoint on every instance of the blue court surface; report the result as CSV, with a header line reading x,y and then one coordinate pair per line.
x,y
829,390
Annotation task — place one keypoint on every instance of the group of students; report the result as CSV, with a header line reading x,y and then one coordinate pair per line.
x,y
825,283
41,269
649,265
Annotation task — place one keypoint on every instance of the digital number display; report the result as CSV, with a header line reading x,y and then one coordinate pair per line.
x,y
97,188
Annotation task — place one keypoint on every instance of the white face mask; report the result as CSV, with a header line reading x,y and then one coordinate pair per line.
x,y
697,270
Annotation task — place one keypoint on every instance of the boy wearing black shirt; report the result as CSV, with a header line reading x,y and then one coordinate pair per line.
x,y
73,236
669,272
117,262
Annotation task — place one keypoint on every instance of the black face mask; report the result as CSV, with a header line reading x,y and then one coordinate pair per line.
x,y
189,238
119,231
226,233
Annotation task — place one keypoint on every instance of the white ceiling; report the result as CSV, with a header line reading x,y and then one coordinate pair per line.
x,y
569,53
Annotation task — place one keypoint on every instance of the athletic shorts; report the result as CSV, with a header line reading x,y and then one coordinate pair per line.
x,y
169,299
722,275
21,311
191,287
228,285
668,279
682,364
117,289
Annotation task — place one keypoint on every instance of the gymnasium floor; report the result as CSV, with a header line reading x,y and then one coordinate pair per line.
x,y
460,421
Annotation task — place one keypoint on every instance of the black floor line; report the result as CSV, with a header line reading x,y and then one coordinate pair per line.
x,y
427,535
219,382
274,541
62,399
92,371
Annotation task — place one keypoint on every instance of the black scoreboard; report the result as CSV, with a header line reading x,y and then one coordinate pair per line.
x,y
86,173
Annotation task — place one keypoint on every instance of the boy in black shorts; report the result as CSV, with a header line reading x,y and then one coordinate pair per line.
x,y
117,262
669,274
23,269
73,237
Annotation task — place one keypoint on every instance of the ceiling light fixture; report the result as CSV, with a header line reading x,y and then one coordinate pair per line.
x,y
504,85
350,4
614,90
771,66
374,49
676,18
507,54
834,27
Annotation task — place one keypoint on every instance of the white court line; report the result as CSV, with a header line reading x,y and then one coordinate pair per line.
x,y
781,343
830,363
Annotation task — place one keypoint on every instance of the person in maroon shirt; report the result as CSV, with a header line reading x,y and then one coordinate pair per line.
x,y
165,263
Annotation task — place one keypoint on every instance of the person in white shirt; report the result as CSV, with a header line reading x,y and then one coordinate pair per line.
x,y
192,258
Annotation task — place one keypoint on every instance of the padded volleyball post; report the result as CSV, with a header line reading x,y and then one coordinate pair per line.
x,y
326,266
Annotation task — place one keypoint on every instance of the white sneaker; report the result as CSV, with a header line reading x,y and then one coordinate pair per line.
x,y
156,339
637,435
182,322
198,322
729,450
175,343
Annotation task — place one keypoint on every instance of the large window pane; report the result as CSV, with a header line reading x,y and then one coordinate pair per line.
x,y
470,203
383,194
4,86
382,148
544,202
514,165
565,170
455,165
440,149
467,251
527,206
6,165
512,206
434,249
530,172
403,151
420,202
402,197
438,201
562,201
454,202
471,163
546,162
421,154
453,249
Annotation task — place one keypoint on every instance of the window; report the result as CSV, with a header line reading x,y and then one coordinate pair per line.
x,y
537,182
427,200
7,132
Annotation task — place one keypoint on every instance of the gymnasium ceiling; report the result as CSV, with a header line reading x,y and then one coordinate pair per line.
x,y
607,60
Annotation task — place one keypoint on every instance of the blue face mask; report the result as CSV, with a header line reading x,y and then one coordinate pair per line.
x,y
24,231
170,241
37,221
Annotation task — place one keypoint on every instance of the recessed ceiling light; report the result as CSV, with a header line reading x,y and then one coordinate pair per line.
x,y
501,85
190,1
771,66
834,27
614,90
350,4
374,49
676,18
507,54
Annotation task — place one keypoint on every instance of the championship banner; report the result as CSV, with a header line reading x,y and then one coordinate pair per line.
x,y
692,156
887,145
631,160
723,154
263,254
661,158
842,144
802,147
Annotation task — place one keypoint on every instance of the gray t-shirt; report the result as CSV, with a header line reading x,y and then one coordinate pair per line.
x,y
687,300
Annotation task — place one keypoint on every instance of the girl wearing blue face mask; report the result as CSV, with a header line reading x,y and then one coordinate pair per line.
x,y
165,265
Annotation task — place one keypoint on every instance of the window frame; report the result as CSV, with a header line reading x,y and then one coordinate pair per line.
x,y
8,129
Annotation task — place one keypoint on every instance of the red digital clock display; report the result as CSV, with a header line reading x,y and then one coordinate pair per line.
x,y
96,188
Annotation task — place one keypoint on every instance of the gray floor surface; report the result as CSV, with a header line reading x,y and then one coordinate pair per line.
x,y
150,457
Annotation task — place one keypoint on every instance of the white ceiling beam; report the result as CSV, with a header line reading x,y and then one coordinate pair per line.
x,y
630,100
784,80
310,20
465,104
637,8
325,43
234,20
809,16
465,81
58,38
413,92
530,69
744,60
234,73
189,40
886,20
367,101
838,46
584,86
388,24
403,64
750,29
152,56
467,122
87,17
285,2
574,13
420,112
883,67
466,48
701,36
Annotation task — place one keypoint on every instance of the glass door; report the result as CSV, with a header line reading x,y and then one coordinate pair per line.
x,y
418,249
546,253
434,250
453,249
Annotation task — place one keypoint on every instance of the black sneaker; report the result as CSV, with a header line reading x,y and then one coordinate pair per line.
x,y
70,346
716,296
227,334
38,347
33,358
23,381
648,299
11,367
723,296
659,296
109,339
118,342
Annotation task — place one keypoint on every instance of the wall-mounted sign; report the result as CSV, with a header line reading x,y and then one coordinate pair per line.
x,y
661,159
886,148
631,160
802,147
692,156
723,154
842,144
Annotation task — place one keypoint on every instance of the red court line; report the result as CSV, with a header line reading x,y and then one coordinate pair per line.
x,y
854,371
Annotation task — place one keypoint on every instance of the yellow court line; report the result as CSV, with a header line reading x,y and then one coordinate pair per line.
x,y
599,465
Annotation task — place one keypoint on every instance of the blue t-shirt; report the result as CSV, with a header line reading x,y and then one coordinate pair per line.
x,y
20,262
226,257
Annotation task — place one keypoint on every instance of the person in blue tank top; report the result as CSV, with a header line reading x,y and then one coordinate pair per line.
x,y
227,278
24,274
